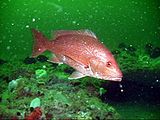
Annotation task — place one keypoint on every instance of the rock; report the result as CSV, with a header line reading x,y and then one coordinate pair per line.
x,y
155,52
122,46
116,52
130,48
42,58
2,62
148,48
69,70
29,60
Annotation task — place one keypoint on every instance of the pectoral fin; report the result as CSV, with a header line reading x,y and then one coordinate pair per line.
x,y
76,75
55,59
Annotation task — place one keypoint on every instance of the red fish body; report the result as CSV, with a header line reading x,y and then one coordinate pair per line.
x,y
80,50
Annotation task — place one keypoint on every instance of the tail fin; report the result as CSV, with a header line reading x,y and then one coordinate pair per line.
x,y
40,43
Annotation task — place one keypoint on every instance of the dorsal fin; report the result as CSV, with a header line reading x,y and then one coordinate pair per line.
x,y
74,32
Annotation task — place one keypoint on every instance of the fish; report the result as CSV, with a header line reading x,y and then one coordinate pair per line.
x,y
81,50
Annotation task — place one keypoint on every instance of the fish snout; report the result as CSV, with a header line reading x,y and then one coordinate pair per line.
x,y
115,75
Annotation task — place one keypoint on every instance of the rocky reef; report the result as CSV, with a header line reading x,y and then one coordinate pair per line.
x,y
34,88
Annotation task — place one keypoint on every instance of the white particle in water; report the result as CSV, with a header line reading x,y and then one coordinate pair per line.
x,y
12,24
126,38
42,1
8,47
130,45
33,20
133,19
10,41
65,13
74,22
122,90
90,16
120,86
157,80
27,26
96,11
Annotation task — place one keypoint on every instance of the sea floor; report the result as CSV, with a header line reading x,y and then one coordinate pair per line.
x,y
135,97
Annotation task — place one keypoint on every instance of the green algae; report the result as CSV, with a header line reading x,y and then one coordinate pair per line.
x,y
40,73
60,97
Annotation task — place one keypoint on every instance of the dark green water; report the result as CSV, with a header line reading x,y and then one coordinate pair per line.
x,y
135,22
114,21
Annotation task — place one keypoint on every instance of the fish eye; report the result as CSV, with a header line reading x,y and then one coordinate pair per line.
x,y
108,64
